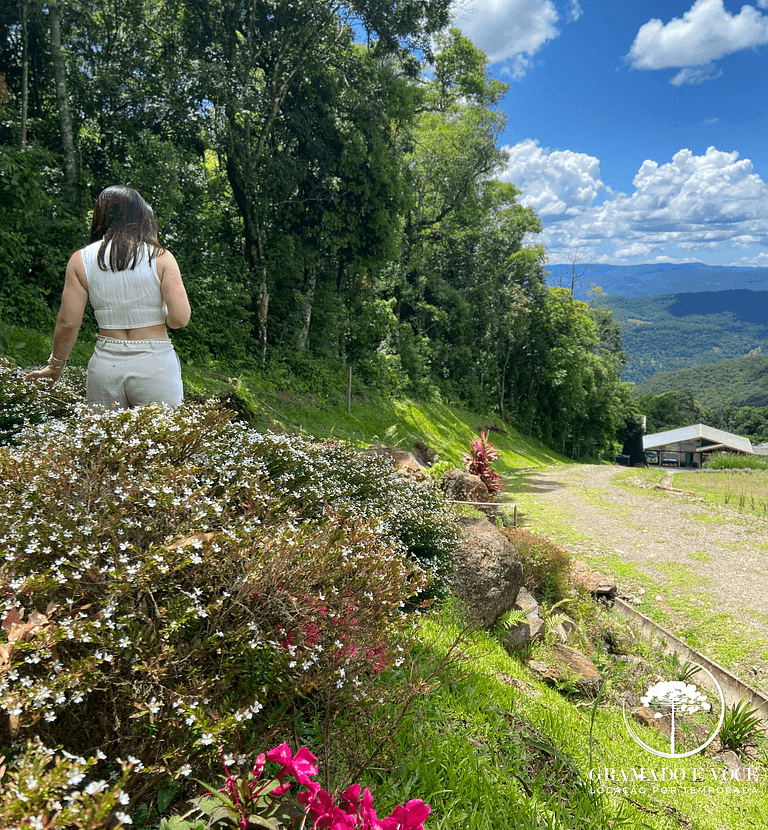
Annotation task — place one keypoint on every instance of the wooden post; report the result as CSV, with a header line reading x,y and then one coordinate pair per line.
x,y
514,517
349,391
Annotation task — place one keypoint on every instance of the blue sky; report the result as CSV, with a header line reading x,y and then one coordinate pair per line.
x,y
637,130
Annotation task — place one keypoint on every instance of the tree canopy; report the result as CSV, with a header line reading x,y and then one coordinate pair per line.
x,y
326,175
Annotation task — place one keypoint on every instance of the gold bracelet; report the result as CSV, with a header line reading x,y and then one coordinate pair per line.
x,y
56,362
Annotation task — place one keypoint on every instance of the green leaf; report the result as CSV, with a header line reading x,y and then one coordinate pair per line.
x,y
166,794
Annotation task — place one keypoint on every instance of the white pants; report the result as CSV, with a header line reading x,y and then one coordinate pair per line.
x,y
128,373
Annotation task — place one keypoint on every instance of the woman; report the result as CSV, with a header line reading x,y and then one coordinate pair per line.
x,y
135,288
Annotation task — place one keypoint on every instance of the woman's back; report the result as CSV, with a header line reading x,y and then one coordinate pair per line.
x,y
128,299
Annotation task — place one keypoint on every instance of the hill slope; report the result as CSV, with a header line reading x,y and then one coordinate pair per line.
x,y
742,381
677,331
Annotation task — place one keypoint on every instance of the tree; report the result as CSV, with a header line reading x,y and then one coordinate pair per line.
x,y
254,64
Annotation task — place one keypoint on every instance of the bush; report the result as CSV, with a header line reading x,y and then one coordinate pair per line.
x,y
174,581
546,566
23,403
729,461
42,787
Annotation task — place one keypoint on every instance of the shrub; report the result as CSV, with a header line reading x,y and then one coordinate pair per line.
x,y
174,581
546,566
251,801
44,789
729,461
23,403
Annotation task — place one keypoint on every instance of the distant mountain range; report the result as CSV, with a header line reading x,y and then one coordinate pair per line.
x,y
676,331
649,280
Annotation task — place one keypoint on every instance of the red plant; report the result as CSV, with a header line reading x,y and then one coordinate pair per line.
x,y
478,462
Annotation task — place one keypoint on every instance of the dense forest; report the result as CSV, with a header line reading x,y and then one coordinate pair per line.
x,y
668,332
325,175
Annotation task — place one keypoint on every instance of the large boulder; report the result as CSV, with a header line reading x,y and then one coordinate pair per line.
x,y
405,463
459,485
488,574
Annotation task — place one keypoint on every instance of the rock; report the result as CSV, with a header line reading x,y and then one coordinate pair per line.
x,y
647,716
460,485
404,462
565,629
570,666
592,581
736,766
487,574
425,455
524,632
538,666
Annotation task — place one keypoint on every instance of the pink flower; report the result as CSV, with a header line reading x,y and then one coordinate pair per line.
x,y
410,817
302,765
367,812
351,799
258,767
337,819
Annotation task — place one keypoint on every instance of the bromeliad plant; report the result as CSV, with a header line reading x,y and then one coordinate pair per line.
x,y
478,461
255,801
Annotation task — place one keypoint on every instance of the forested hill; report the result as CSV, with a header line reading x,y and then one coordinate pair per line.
x,y
739,382
677,331
652,279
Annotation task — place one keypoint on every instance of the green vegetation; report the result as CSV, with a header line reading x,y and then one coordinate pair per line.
x,y
380,239
682,335
725,387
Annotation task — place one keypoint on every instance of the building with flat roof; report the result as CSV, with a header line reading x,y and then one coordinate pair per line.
x,y
690,446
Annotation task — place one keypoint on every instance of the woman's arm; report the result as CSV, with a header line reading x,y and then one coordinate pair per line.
x,y
174,293
73,300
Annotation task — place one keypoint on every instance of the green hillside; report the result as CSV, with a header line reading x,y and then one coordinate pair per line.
x,y
677,331
741,381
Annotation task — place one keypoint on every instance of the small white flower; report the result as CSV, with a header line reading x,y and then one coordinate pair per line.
x,y
207,739
185,770
123,817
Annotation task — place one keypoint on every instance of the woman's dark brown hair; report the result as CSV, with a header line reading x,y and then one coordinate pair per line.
x,y
122,217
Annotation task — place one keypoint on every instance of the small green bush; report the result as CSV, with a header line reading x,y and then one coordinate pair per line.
x,y
741,725
728,461
546,566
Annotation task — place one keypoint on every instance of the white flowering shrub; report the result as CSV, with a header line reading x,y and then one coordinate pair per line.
x,y
173,582
23,403
45,789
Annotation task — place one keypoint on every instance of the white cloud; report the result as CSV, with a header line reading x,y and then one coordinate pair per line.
x,y
509,30
575,11
709,202
706,32
696,75
553,182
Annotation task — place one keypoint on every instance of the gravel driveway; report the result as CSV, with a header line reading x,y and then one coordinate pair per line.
x,y
687,554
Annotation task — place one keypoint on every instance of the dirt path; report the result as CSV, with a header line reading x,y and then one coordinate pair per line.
x,y
684,562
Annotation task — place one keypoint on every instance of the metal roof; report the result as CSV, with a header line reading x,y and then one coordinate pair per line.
x,y
698,431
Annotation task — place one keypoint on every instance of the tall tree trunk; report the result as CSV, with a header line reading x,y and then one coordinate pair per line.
x,y
62,101
24,72
306,310
263,311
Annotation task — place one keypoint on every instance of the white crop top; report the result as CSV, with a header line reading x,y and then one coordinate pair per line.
x,y
128,299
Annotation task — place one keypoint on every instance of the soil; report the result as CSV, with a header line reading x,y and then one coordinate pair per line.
x,y
692,554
